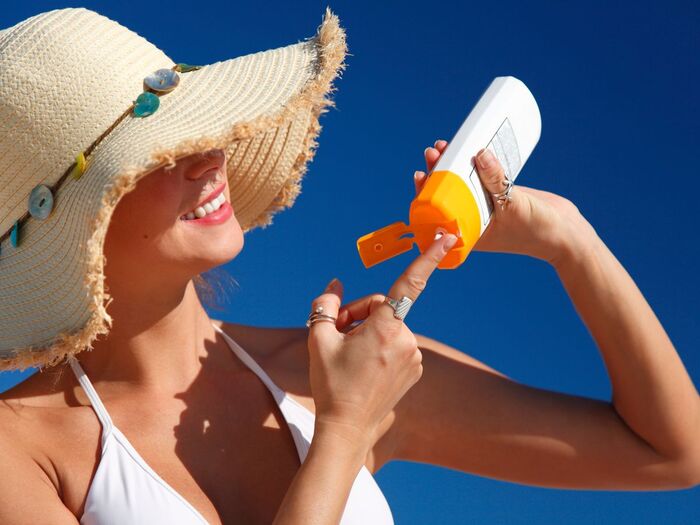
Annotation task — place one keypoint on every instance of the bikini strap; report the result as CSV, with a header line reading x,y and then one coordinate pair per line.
x,y
91,393
277,392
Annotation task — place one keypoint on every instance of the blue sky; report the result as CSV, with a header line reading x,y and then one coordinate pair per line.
x,y
617,85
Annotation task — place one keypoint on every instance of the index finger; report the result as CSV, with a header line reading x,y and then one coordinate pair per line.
x,y
415,278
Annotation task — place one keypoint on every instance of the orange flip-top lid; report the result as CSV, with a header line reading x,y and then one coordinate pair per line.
x,y
445,204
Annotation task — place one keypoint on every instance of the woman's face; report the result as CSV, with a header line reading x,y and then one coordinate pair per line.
x,y
148,244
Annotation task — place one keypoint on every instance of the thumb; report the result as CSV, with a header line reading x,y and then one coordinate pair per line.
x,y
493,178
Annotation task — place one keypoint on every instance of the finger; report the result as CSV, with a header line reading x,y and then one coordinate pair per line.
x,y
419,178
491,174
329,301
432,154
358,310
414,279
431,157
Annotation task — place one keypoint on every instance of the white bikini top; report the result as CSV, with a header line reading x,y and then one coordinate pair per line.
x,y
125,489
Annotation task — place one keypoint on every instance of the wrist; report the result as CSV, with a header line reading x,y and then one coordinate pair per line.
x,y
343,435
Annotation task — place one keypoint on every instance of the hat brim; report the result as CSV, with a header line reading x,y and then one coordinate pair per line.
x,y
263,109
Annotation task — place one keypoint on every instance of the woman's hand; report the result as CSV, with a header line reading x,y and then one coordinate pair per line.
x,y
536,223
358,377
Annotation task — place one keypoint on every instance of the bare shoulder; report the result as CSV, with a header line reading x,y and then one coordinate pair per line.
x,y
43,390
29,412
44,404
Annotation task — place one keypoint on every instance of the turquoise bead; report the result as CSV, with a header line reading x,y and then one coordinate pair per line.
x,y
14,235
185,68
146,104
40,202
162,80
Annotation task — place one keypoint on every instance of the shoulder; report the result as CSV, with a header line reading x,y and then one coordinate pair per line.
x,y
41,415
30,412
43,389
26,479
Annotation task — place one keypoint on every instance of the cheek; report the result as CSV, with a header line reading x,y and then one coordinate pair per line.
x,y
142,216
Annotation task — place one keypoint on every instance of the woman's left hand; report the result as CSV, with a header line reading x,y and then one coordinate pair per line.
x,y
536,223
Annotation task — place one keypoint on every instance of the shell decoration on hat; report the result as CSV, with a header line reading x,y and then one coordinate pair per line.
x,y
160,82
71,146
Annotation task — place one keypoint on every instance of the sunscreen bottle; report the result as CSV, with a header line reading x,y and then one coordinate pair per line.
x,y
506,120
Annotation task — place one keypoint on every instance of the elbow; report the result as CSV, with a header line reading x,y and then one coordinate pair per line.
x,y
693,477
688,473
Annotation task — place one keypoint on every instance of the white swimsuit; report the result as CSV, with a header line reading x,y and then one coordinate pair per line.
x,y
125,490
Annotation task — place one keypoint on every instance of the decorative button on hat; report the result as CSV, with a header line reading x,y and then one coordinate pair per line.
x,y
71,146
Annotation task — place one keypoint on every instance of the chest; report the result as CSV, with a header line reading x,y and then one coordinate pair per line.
x,y
232,460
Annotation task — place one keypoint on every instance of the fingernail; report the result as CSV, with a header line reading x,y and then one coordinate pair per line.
x,y
486,159
439,140
449,241
333,285
416,175
425,152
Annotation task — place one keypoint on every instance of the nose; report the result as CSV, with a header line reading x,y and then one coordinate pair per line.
x,y
205,163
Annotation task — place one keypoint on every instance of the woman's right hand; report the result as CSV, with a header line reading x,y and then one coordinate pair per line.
x,y
358,377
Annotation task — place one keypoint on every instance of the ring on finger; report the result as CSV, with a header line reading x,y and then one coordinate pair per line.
x,y
503,198
400,307
316,318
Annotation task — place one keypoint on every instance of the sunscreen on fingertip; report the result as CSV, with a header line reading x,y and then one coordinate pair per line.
x,y
506,120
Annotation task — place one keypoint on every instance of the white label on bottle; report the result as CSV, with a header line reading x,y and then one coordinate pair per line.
x,y
505,147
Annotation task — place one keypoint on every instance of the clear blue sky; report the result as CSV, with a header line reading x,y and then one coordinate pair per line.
x,y
617,85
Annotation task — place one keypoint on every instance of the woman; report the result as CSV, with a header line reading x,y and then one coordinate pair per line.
x,y
206,443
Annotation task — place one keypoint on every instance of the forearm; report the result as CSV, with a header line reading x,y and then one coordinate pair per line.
x,y
652,391
320,489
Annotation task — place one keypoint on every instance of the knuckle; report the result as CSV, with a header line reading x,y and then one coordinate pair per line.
x,y
383,357
417,357
570,206
327,299
415,282
419,372
409,344
494,175
386,331
411,339
377,298
434,257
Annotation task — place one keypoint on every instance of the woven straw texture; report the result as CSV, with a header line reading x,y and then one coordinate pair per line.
x,y
65,76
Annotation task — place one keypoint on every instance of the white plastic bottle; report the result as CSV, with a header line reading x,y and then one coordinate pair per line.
x,y
507,121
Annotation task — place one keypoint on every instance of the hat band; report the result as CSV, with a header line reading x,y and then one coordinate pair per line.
x,y
41,199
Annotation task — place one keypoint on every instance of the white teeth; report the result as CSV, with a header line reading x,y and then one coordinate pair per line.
x,y
209,207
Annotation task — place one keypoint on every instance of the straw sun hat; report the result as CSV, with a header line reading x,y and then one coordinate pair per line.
x,y
88,107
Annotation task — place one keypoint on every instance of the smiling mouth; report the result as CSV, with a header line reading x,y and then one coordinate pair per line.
x,y
207,209
208,206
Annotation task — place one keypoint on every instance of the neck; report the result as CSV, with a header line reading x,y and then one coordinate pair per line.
x,y
157,341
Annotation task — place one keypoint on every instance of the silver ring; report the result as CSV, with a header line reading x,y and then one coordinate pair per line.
x,y
400,307
318,319
504,197
317,316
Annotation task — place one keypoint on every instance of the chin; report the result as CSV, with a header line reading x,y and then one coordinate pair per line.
x,y
220,252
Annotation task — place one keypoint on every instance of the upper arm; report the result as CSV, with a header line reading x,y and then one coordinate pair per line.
x,y
467,416
27,496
